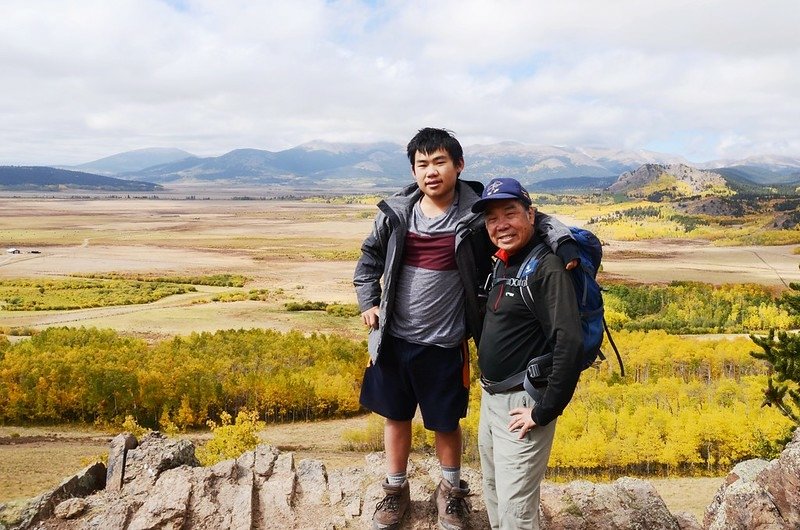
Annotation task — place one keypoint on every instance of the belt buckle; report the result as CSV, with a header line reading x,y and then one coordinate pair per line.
x,y
485,385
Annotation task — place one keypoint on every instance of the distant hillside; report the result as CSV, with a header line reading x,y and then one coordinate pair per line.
x,y
48,178
760,169
333,165
536,163
313,165
324,166
762,176
657,182
578,184
132,161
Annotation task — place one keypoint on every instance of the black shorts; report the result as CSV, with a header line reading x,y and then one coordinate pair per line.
x,y
408,374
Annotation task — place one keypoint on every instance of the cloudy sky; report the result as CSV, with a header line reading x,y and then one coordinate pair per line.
x,y
84,79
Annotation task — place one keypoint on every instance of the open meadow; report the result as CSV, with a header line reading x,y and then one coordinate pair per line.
x,y
289,252
307,250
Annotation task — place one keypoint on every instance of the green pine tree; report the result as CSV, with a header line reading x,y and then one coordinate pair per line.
x,y
782,351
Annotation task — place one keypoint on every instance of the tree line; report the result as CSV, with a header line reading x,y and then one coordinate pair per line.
x,y
687,405
697,308
91,375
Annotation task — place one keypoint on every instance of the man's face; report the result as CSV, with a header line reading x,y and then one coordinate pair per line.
x,y
436,173
509,223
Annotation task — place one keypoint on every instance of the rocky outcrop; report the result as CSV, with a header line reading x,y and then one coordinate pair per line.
x,y
163,487
117,454
85,483
626,503
759,495
652,178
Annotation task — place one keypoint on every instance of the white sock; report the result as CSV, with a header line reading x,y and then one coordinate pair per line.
x,y
452,475
396,479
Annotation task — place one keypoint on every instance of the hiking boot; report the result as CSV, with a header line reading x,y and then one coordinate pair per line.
x,y
389,512
452,505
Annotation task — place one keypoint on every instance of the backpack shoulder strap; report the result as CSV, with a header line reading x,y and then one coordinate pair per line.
x,y
528,266
527,269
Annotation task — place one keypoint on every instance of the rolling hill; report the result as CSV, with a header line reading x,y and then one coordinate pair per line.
x,y
53,179
132,161
310,166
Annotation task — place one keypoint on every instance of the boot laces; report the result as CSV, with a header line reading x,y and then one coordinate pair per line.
x,y
456,505
390,502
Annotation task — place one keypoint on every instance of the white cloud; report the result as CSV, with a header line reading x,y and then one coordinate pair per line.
x,y
87,79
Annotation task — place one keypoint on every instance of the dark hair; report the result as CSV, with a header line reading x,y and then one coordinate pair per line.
x,y
429,140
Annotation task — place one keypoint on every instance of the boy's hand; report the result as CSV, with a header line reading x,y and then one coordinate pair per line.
x,y
572,264
370,317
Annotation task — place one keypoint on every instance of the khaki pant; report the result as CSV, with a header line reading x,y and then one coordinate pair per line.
x,y
513,469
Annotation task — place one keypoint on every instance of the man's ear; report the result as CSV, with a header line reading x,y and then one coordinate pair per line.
x,y
532,213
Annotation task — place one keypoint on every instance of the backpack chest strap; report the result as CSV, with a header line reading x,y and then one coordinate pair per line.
x,y
511,282
526,269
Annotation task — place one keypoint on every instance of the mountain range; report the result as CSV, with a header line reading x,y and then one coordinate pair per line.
x,y
333,165
364,166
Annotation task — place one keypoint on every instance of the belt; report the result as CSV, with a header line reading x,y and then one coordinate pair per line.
x,y
487,385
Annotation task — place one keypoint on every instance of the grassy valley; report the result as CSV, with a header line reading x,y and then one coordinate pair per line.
x,y
179,310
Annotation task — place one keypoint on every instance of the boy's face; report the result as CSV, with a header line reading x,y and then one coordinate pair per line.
x,y
509,223
436,173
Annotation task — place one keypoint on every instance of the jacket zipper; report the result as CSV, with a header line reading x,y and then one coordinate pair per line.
x,y
499,296
502,290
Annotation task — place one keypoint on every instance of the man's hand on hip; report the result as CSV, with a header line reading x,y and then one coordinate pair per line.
x,y
521,421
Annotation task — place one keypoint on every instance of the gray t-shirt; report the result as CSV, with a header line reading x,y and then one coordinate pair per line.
x,y
429,303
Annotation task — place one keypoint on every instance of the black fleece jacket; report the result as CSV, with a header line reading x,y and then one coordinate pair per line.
x,y
512,334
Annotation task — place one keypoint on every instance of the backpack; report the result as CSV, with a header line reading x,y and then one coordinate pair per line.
x,y
590,305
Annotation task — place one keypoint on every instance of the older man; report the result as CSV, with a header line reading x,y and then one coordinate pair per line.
x,y
516,430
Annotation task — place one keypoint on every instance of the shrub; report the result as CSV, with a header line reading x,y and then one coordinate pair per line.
x,y
368,439
371,437
343,310
132,426
231,440
308,305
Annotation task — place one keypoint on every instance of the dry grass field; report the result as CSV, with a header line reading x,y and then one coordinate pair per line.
x,y
277,245
301,250
33,460
305,249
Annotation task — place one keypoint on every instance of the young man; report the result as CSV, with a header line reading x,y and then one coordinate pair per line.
x,y
433,254
516,432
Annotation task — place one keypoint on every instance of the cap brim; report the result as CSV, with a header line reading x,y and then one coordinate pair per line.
x,y
481,204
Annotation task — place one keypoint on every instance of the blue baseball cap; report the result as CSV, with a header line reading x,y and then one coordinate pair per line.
x,y
502,188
